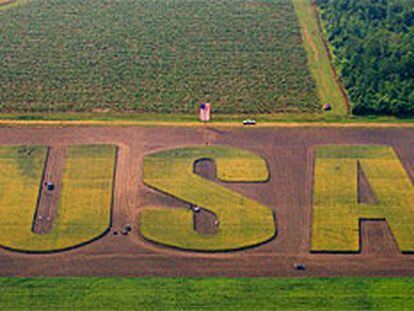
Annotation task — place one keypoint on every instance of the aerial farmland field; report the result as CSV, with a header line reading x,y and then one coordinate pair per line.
x,y
265,186
154,56
114,195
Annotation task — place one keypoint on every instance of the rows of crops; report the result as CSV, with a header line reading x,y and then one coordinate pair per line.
x,y
153,56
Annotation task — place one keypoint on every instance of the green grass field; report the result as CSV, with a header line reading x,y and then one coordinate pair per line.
x,y
206,293
154,56
243,222
83,210
336,211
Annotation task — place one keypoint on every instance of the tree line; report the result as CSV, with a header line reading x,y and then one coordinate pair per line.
x,y
373,48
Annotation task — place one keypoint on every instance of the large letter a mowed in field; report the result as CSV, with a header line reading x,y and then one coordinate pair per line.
x,y
337,208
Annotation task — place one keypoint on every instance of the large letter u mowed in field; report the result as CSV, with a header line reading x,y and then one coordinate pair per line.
x,y
242,222
83,207
337,205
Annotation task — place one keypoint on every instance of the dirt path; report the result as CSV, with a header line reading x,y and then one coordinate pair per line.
x,y
288,152
5,2
47,205
311,43
205,221
208,133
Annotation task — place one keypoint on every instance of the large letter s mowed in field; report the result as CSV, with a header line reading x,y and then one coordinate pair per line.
x,y
242,222
337,212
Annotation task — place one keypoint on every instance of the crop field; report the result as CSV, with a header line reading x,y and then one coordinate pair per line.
x,y
337,211
243,222
154,56
337,200
82,211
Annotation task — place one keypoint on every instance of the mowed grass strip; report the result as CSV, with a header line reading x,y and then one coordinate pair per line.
x,y
206,293
242,222
328,87
21,170
84,207
7,4
336,211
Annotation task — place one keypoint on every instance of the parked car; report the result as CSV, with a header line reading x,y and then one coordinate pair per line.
x,y
299,266
249,122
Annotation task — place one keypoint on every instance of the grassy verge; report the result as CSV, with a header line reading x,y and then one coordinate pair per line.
x,y
124,119
337,212
206,293
328,86
243,222
83,210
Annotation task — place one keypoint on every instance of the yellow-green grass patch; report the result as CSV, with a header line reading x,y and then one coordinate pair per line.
x,y
6,4
242,222
84,206
336,210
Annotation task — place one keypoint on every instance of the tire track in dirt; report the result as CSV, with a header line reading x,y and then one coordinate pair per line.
x,y
311,43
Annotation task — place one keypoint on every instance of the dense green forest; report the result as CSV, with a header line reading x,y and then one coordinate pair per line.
x,y
373,47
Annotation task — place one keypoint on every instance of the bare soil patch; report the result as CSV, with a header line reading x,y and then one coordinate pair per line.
x,y
205,222
365,193
206,168
48,198
377,236
289,154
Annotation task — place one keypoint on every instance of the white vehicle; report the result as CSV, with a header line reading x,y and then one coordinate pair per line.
x,y
249,122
